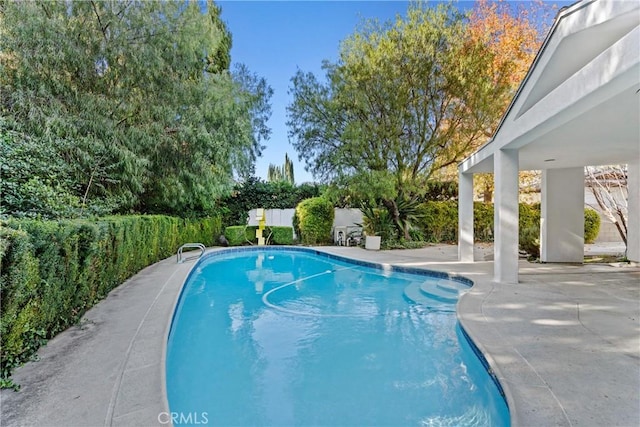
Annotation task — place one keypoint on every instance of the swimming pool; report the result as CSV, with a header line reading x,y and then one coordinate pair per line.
x,y
294,337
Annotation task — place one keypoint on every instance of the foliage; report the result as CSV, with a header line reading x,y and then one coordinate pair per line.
x,y
512,35
529,215
254,193
281,235
591,225
33,179
403,244
441,221
131,103
315,220
378,222
240,235
53,271
483,222
282,173
529,241
437,190
403,101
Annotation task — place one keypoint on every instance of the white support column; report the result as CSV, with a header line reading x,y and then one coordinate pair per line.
x,y
506,216
633,212
465,217
562,215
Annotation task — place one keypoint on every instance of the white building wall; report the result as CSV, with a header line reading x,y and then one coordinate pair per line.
x,y
633,225
562,215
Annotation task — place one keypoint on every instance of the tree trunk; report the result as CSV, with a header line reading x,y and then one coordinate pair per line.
x,y
392,207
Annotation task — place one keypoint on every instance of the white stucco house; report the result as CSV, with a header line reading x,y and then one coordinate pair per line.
x,y
579,105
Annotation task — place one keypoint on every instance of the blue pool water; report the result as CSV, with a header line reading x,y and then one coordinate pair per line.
x,y
284,337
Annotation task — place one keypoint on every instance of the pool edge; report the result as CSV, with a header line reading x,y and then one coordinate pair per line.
x,y
484,357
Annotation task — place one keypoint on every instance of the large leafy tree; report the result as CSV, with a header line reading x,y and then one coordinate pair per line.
x,y
135,100
404,100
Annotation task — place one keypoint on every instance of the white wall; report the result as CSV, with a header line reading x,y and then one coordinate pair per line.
x,y
284,217
277,217
562,215
347,217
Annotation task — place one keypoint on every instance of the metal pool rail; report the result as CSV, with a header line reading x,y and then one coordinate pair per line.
x,y
190,245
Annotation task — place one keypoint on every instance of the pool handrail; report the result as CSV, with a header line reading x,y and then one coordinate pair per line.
x,y
190,245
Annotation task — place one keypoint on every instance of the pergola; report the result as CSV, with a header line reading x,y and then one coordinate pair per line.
x,y
578,106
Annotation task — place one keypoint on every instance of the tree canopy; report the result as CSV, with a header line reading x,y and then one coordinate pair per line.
x,y
404,100
122,106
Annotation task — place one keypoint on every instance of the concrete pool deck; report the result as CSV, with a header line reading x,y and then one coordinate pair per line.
x,y
564,342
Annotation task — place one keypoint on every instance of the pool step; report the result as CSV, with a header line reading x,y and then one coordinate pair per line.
x,y
414,294
452,286
431,290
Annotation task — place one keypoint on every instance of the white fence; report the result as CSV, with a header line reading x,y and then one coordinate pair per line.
x,y
284,217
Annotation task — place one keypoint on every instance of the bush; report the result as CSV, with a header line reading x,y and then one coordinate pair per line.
x,y
53,271
482,221
591,225
529,241
315,219
378,222
281,235
440,191
440,221
239,235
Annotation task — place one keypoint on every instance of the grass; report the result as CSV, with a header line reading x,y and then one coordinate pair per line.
x,y
604,259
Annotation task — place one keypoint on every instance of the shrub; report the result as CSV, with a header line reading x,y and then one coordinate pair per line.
x,y
239,235
378,222
591,225
529,241
315,219
440,221
53,271
440,190
529,216
482,221
281,235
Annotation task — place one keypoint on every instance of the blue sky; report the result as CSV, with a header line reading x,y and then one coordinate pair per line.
x,y
275,38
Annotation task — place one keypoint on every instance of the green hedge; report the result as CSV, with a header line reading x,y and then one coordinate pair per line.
x,y
591,225
239,235
53,271
440,223
281,235
315,220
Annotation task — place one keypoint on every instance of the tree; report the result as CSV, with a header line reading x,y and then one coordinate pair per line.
x,y
136,98
404,100
512,34
281,173
608,184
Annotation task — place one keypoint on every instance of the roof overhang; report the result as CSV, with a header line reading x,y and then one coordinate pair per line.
x,y
579,104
